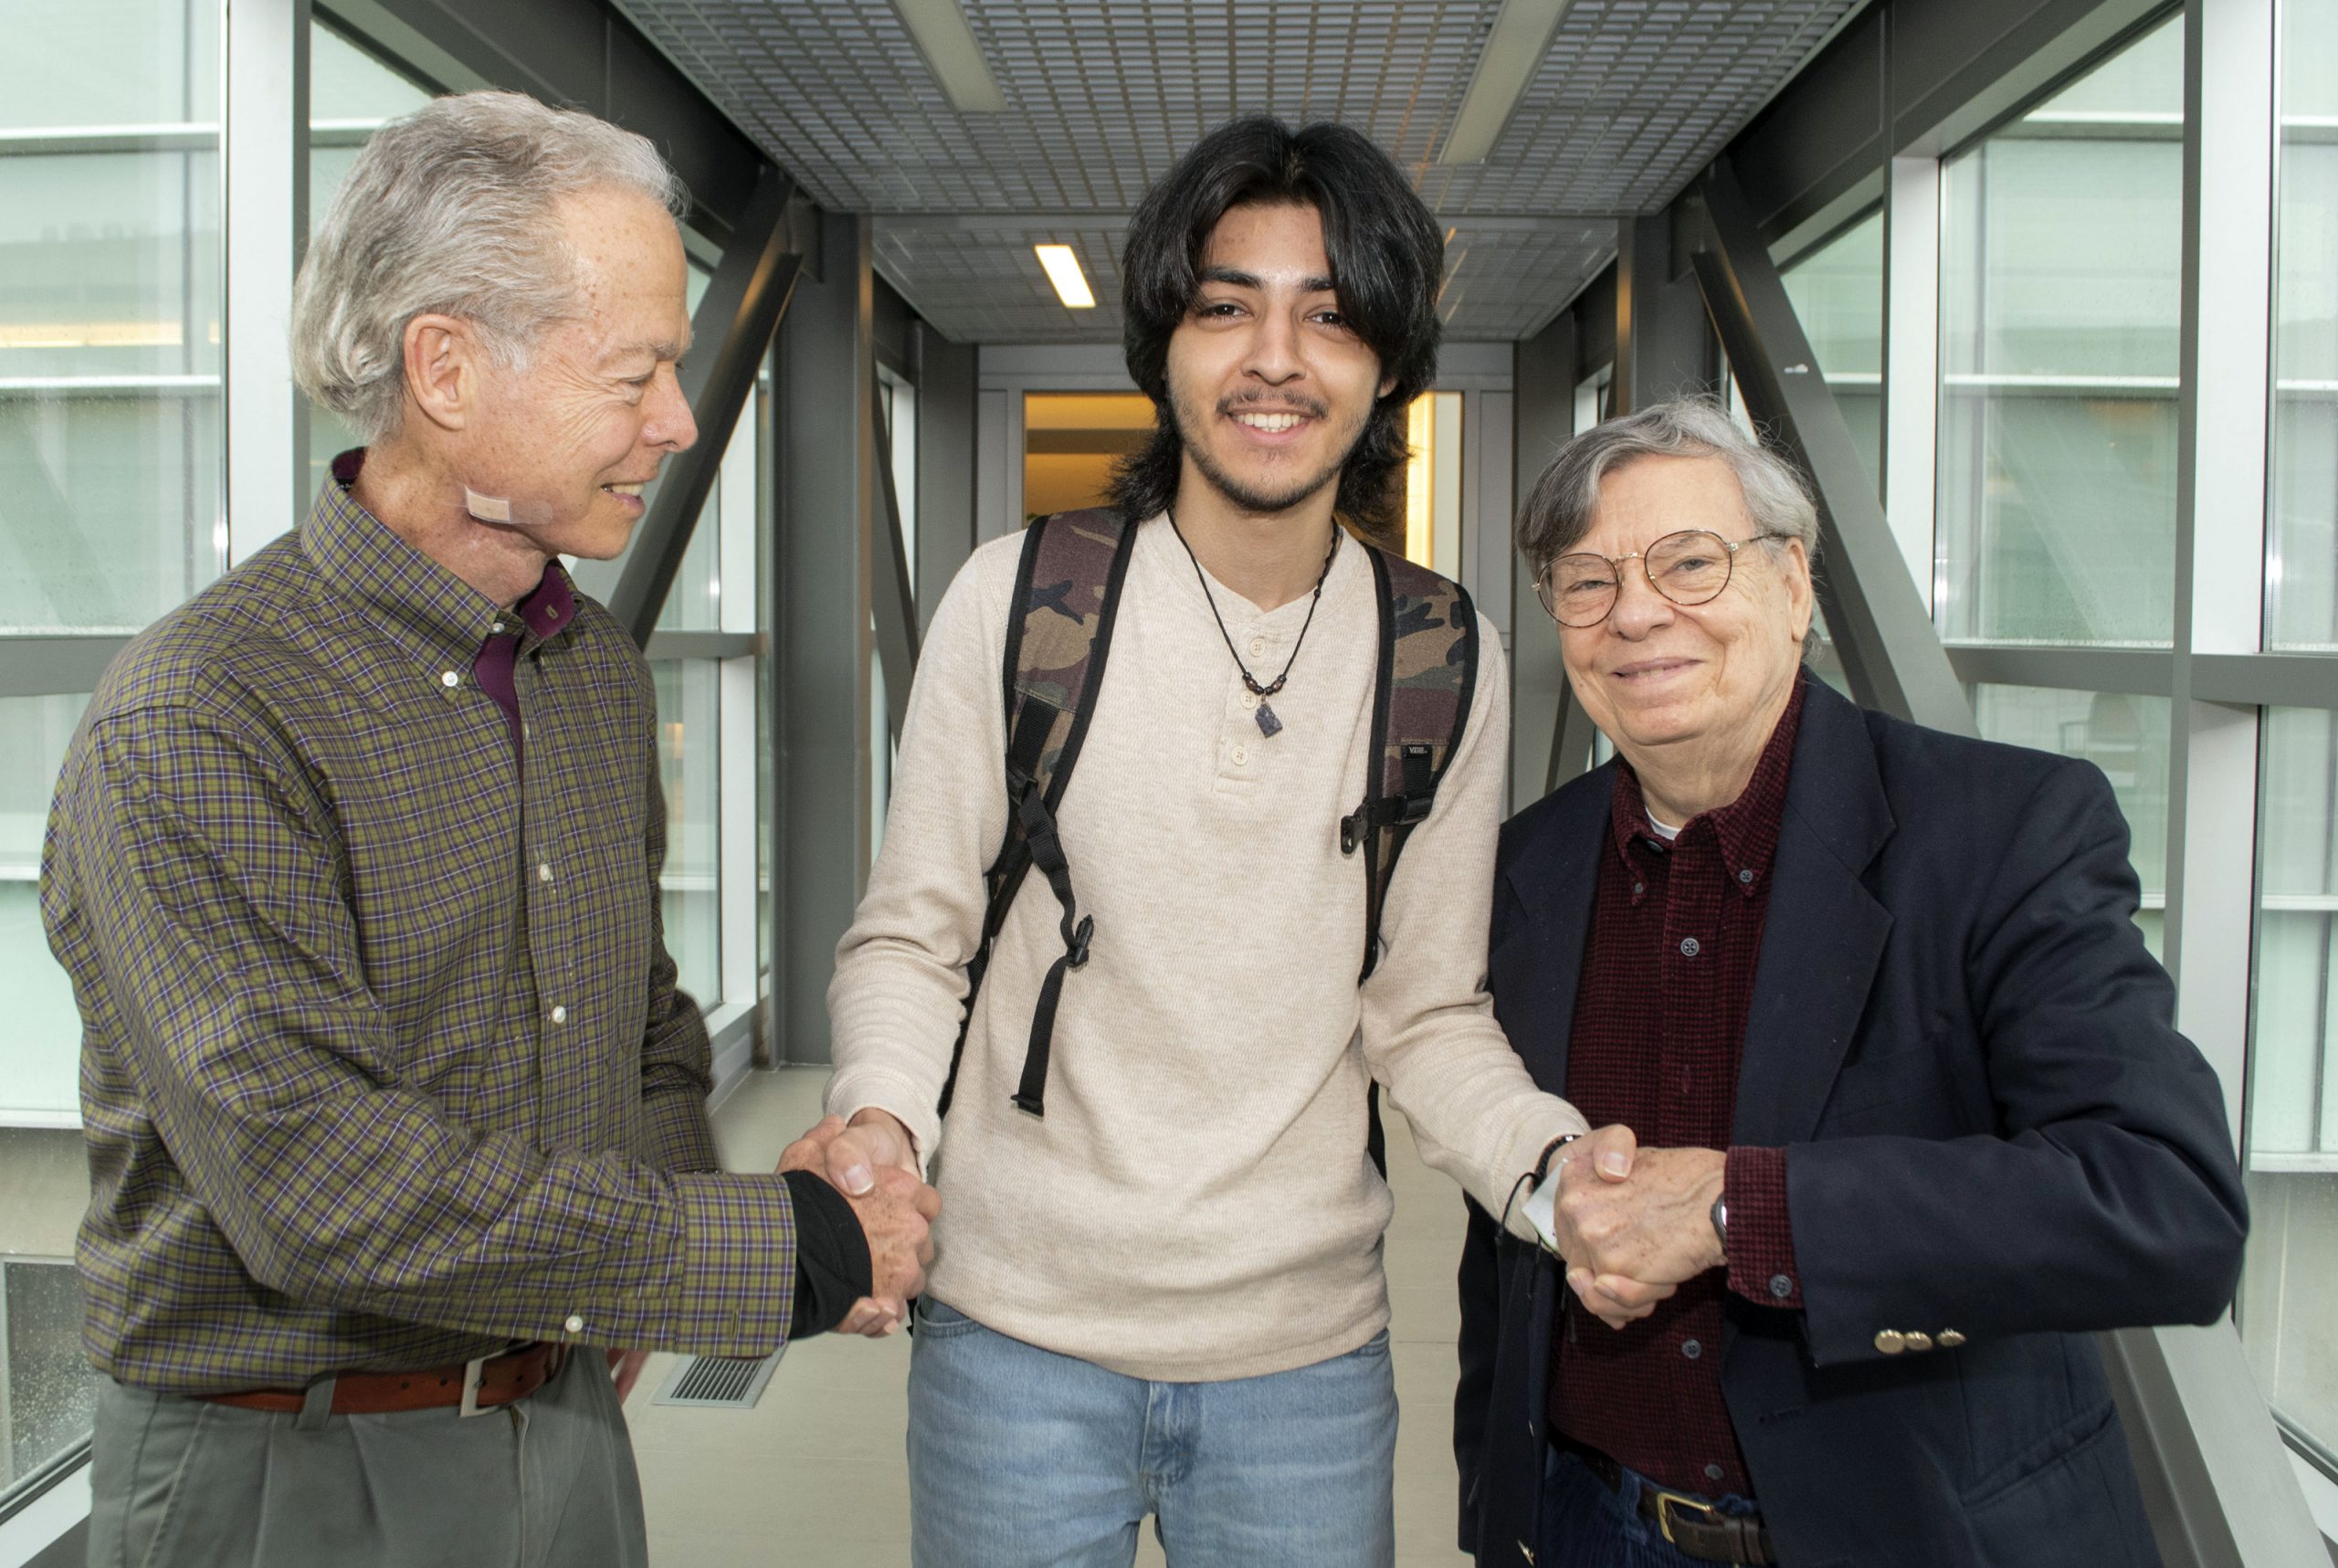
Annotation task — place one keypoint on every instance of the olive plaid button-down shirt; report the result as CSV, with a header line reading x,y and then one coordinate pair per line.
x,y
383,1064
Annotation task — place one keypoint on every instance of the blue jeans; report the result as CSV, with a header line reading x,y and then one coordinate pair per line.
x,y
1585,1525
1023,1458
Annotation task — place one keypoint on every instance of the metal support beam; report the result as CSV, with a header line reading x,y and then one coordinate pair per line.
x,y
1544,371
892,602
729,334
1663,348
946,465
823,596
1890,649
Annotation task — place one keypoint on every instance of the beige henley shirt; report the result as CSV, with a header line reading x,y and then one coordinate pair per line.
x,y
1197,1203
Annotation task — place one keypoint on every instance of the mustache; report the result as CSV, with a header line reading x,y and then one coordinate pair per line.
x,y
1283,403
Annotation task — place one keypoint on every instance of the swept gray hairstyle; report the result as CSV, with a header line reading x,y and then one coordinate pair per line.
x,y
1557,513
449,210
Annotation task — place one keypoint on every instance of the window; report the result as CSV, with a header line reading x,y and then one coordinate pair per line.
x,y
2301,528
2060,252
1432,482
109,320
2127,738
351,94
2293,1121
1836,288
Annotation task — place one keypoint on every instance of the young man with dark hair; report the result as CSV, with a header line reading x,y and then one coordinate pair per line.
x,y
1158,1285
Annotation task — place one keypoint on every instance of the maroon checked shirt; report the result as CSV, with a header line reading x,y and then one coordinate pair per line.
x,y
1659,1032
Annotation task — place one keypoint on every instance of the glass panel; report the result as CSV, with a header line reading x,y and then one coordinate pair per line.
x,y
39,1073
2060,250
2127,738
689,720
111,63
350,94
2292,1128
2301,528
49,1393
108,509
1838,295
1432,482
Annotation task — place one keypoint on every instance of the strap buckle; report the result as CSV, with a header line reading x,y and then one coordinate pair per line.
x,y
471,1371
1075,952
1666,1501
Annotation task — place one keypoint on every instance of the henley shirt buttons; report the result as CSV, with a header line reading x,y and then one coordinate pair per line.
x,y
1691,1349
1257,645
1241,756
450,677
560,1015
1249,700
1690,947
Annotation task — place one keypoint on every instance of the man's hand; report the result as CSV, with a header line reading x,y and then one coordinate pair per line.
x,y
624,1370
1635,1238
849,1156
895,1215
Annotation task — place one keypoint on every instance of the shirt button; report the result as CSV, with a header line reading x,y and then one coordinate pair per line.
x,y
496,626
560,1015
1691,1349
575,1324
1746,876
1781,1286
1258,644
1249,700
450,677
1638,888
1690,947
544,871
1714,1472
1241,756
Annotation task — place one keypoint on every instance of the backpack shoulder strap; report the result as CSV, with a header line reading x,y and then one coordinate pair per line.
x,y
1420,705
1058,632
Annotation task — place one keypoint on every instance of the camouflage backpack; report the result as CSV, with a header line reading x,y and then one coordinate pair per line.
x,y
1060,631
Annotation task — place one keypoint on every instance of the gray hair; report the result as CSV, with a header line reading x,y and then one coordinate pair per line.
x,y
1557,513
449,210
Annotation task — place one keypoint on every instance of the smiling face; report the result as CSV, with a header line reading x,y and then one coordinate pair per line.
x,y
571,439
1269,386
1698,685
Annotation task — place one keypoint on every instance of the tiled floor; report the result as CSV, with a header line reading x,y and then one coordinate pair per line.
x,y
813,1474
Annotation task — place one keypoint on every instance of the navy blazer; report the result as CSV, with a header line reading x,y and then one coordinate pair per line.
x,y
1994,1128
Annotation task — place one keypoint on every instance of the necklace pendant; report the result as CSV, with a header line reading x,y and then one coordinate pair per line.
x,y
1268,723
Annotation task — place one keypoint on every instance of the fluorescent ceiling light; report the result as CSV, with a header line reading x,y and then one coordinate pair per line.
x,y
941,31
1514,47
1063,271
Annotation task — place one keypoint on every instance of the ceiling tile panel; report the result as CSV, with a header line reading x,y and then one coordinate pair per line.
x,y
1631,98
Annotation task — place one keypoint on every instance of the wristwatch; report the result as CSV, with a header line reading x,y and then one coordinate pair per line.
x,y
1721,1224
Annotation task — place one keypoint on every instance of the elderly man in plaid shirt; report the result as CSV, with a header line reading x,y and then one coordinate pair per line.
x,y
392,1104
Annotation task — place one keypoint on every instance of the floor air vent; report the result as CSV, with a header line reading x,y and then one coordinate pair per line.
x,y
718,1382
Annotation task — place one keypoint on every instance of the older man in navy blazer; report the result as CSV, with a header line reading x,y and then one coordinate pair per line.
x,y
1894,1111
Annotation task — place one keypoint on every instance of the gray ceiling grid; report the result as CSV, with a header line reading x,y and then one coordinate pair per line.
x,y
1632,98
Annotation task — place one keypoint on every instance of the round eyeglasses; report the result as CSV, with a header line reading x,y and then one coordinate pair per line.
x,y
1690,567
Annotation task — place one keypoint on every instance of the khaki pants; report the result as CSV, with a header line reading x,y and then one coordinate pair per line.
x,y
546,1482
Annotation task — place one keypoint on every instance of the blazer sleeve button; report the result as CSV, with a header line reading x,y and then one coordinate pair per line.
x,y
1890,1341
1919,1341
1948,1339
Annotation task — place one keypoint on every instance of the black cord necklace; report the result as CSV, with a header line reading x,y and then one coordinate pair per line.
x,y
1269,724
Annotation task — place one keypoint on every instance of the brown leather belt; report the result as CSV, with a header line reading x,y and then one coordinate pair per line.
x,y
475,1386
1695,1528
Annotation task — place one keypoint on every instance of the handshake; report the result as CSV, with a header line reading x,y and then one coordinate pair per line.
x,y
873,1163
1632,1224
